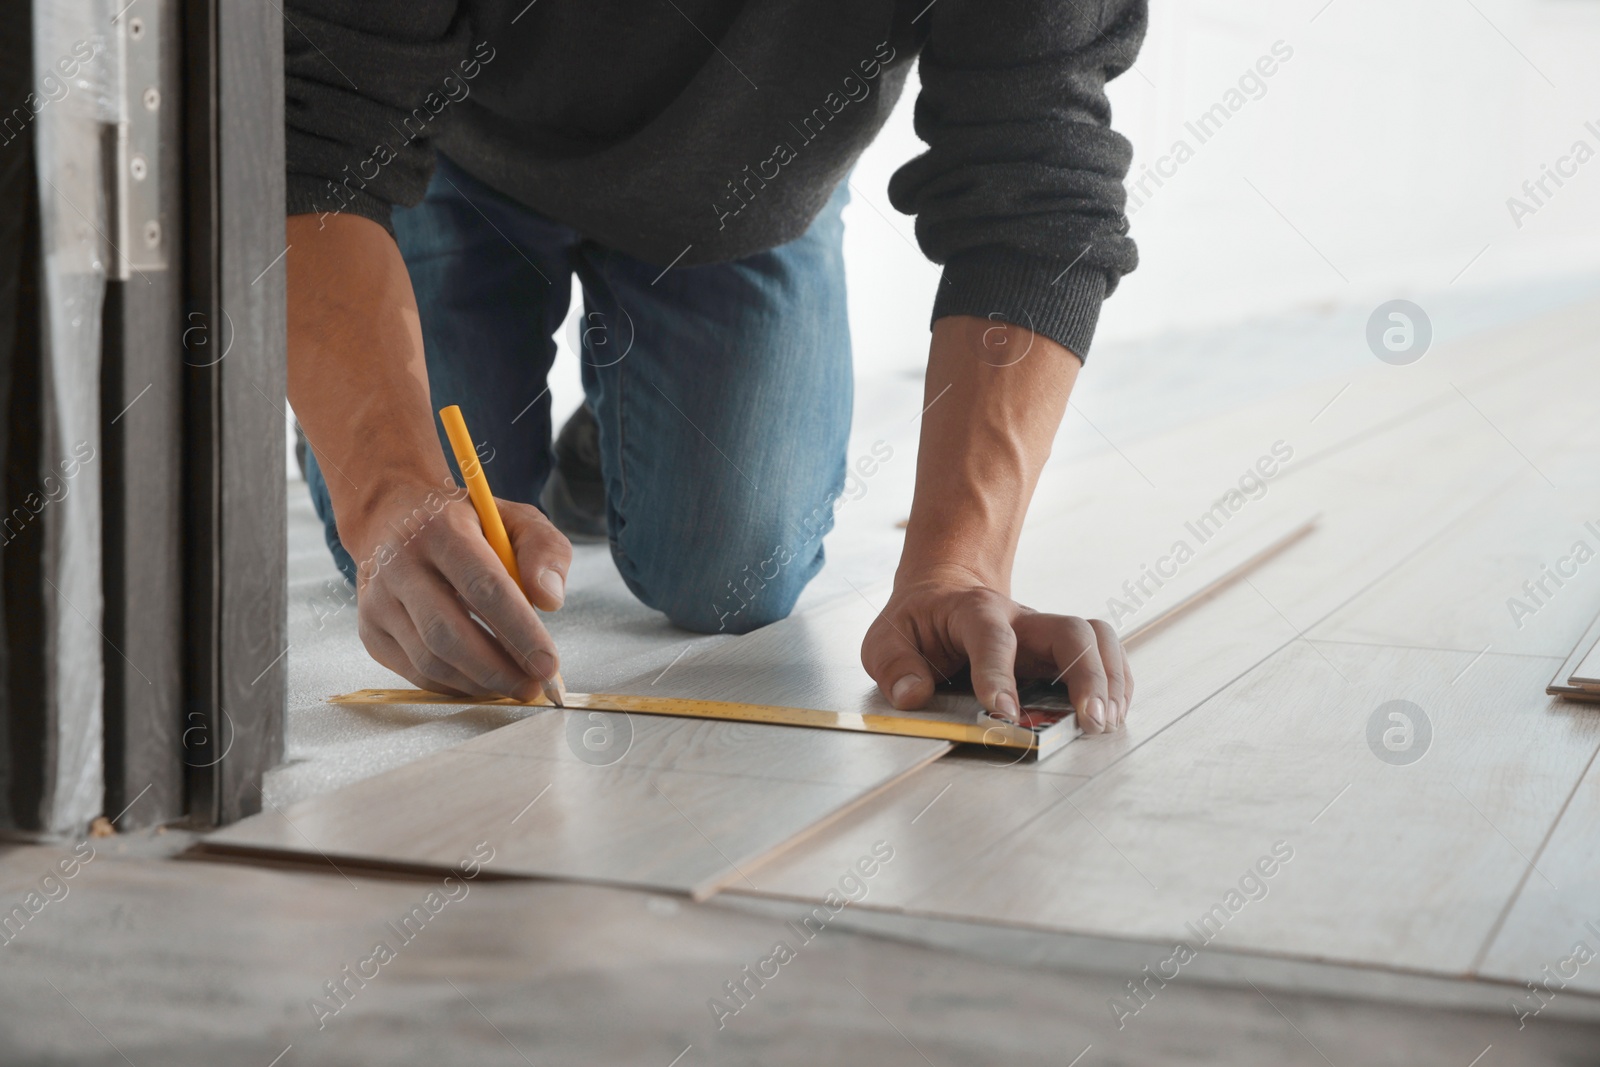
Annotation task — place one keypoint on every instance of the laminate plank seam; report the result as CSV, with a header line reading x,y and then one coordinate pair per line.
x,y
1331,803
326,858
1441,532
779,848
1522,855
1357,437
1476,965
697,892
1216,587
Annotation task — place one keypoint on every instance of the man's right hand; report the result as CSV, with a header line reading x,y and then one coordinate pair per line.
x,y
424,565
359,385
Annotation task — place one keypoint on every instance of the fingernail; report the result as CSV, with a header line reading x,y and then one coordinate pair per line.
x,y
903,689
1005,706
544,664
1095,710
552,582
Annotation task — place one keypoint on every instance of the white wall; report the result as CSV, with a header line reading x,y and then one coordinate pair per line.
x,y
1390,139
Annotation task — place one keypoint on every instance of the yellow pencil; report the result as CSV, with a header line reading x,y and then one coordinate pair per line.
x,y
494,530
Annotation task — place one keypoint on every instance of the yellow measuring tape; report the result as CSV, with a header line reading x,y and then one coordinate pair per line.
x,y
992,735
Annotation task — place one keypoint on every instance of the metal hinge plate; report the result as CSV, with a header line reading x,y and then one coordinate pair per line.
x,y
141,240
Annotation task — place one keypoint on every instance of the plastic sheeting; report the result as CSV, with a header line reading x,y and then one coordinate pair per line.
x,y
74,107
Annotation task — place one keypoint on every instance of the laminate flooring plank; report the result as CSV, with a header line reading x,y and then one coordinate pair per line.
x,y
1403,866
1586,674
1373,524
1561,683
1179,667
947,813
1376,516
1494,581
638,814
1517,574
754,750
1369,527
1557,909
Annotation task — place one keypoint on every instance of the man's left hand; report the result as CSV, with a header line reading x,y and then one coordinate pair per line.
x,y
938,623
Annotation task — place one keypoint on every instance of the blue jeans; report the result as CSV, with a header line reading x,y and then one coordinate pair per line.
x,y
722,392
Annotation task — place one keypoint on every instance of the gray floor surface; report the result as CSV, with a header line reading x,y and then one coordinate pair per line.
x,y
150,962
142,959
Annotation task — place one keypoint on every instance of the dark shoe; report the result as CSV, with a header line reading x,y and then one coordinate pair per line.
x,y
574,495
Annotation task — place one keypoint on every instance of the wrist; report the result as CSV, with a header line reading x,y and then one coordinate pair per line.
x,y
389,504
965,530
948,570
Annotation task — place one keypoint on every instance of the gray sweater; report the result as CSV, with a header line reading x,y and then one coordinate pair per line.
x,y
699,131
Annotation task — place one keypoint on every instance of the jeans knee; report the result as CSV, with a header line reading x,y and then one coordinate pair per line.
x,y
729,592
733,612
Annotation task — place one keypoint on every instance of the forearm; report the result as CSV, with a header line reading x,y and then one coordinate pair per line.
x,y
357,376
995,396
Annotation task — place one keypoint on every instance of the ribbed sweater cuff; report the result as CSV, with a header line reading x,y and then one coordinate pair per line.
x,y
1045,295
